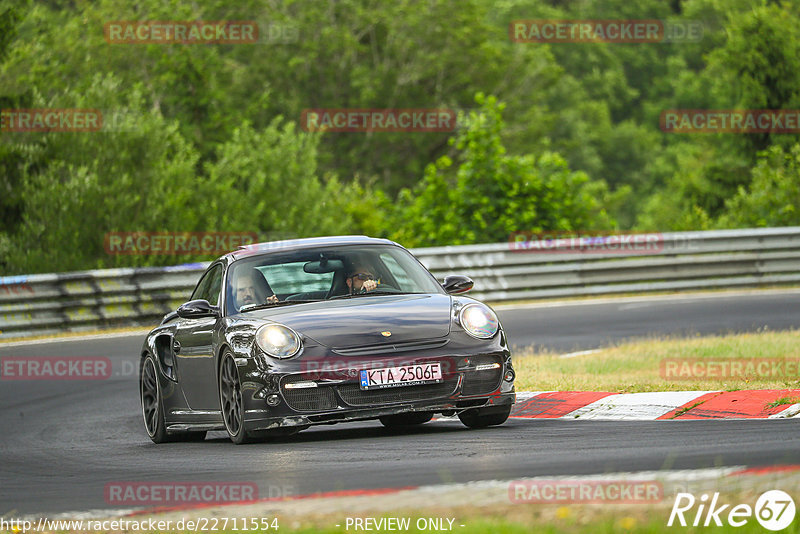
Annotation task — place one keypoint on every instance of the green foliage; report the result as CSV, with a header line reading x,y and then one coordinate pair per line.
x,y
9,18
142,175
266,181
487,194
755,65
773,196
214,143
137,175
10,159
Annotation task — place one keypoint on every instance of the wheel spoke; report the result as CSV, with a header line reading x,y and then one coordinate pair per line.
x,y
231,396
149,392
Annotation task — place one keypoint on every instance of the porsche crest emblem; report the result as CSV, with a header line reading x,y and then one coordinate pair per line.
x,y
386,333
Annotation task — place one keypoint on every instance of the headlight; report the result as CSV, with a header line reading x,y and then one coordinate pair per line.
x,y
478,320
278,341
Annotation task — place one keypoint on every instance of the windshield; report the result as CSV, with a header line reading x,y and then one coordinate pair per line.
x,y
325,273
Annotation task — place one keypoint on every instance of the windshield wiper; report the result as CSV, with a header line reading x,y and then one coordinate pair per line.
x,y
375,292
251,307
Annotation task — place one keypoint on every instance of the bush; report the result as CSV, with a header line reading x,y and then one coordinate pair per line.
x,y
773,197
483,194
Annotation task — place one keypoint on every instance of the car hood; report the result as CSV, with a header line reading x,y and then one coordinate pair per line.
x,y
360,321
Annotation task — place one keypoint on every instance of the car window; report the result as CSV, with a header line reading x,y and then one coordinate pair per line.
x,y
291,278
398,272
202,287
215,287
210,286
322,273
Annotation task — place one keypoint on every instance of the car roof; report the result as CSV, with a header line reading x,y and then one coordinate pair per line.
x,y
256,249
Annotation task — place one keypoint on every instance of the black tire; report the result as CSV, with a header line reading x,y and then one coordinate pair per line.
x,y
406,419
230,400
150,398
153,406
483,417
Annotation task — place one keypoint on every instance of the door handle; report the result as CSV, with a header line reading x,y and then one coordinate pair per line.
x,y
176,346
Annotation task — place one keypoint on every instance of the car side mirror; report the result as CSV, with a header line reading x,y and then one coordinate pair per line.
x,y
456,283
195,309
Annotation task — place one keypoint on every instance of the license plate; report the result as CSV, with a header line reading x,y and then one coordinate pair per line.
x,y
406,375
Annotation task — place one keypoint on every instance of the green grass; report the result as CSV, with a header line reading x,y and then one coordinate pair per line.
x,y
545,518
686,409
613,525
782,401
636,366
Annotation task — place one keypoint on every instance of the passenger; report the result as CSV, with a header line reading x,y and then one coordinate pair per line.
x,y
246,289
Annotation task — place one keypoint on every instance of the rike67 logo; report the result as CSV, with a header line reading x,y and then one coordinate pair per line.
x,y
774,510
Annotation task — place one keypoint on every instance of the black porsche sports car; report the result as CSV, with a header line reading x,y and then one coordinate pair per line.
x,y
283,335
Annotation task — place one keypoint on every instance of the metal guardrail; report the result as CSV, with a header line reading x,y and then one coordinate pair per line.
x,y
88,300
516,270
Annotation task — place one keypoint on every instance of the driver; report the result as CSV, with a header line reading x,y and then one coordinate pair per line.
x,y
361,279
246,289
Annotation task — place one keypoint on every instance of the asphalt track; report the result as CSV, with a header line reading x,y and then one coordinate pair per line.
x,y
63,441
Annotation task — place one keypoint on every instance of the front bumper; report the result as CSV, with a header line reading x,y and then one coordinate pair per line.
x,y
255,421
469,381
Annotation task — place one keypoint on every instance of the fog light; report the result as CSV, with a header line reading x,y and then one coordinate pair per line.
x,y
509,376
273,400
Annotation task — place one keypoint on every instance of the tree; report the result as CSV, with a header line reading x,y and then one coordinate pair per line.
x,y
10,158
756,65
267,180
136,174
773,196
486,194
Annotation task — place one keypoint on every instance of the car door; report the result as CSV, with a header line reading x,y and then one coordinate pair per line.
x,y
195,354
